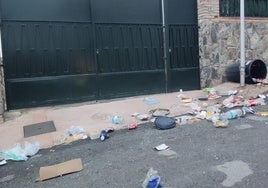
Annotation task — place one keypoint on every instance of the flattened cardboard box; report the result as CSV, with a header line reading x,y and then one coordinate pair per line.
x,y
60,169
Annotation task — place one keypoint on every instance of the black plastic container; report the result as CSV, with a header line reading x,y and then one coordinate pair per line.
x,y
255,69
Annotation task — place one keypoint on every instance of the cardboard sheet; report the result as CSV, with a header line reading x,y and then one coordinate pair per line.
x,y
60,169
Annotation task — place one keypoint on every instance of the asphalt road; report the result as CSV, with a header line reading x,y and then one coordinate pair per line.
x,y
199,156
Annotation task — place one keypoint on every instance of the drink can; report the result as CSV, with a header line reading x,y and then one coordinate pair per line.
x,y
132,126
103,135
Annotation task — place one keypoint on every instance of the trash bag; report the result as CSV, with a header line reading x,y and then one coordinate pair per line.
x,y
31,149
163,123
18,153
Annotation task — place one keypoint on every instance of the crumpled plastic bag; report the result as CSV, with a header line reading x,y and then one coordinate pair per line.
x,y
75,130
18,153
152,180
75,133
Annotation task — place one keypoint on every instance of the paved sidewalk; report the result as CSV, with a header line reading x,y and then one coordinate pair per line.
x,y
92,117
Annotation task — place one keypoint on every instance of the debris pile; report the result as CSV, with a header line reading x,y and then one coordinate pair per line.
x,y
225,106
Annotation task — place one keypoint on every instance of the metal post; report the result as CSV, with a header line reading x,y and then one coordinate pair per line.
x,y
1,54
164,44
242,43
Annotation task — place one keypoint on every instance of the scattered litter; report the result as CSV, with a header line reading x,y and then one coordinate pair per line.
x,y
95,134
202,115
249,110
75,130
220,123
227,93
159,112
60,169
204,104
150,101
132,126
262,96
202,98
213,96
233,114
75,133
254,102
135,114
161,147
262,113
3,162
152,120
211,112
165,122
110,129
143,117
104,135
184,119
231,102
21,154
117,120
194,107
209,90
211,93
186,100
258,80
181,95
152,180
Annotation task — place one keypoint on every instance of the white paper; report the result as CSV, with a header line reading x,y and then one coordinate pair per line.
x,y
161,147
3,162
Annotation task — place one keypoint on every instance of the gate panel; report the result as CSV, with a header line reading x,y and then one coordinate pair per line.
x,y
183,45
129,56
129,44
46,10
126,11
48,52
48,63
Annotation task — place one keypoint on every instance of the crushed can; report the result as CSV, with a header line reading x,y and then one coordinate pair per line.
x,y
103,135
132,126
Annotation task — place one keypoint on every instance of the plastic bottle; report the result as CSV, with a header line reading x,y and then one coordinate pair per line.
x,y
228,101
232,114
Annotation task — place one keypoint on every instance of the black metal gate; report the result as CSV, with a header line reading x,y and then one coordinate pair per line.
x,y
64,51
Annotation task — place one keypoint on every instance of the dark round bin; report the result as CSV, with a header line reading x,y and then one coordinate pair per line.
x,y
255,69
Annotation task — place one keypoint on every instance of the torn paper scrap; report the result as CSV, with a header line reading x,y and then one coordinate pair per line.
x,y
161,147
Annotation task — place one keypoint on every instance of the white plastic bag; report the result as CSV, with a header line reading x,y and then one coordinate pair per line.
x,y
31,149
18,153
